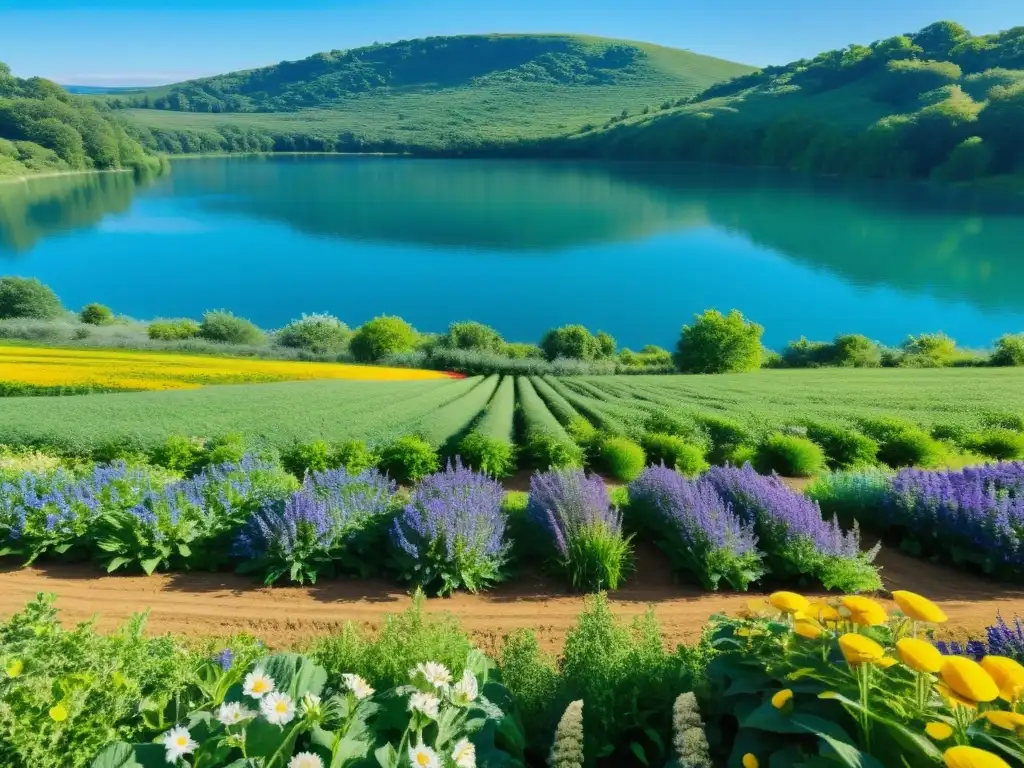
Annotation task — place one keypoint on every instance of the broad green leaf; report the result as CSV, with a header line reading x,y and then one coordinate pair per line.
x,y
263,739
150,565
638,751
122,755
386,756
117,562
848,754
917,742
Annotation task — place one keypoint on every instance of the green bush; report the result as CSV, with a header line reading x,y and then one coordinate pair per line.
x,y
223,449
520,351
718,343
847,351
953,433
844,448
1004,420
303,458
474,336
321,334
226,328
574,342
621,458
178,453
929,350
127,449
885,428
606,344
381,337
409,459
583,433
489,455
674,452
790,456
96,314
913,448
999,444
546,451
27,297
1009,350
353,456
724,435
173,330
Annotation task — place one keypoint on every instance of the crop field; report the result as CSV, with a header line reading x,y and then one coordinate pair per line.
x,y
46,369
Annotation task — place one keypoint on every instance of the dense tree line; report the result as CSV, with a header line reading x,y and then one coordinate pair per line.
x,y
44,128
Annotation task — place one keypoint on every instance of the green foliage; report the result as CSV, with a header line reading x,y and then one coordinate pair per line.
x,y
725,435
844,448
96,314
674,452
27,297
321,334
718,343
353,456
303,458
606,344
497,421
597,558
969,160
473,335
382,336
221,326
582,432
567,749
574,342
847,351
999,444
546,450
852,495
914,448
789,456
408,459
520,351
905,79
621,458
489,455
173,330
178,454
1009,350
929,350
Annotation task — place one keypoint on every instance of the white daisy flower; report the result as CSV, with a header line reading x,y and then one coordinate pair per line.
x,y
257,684
278,708
359,687
234,713
424,757
466,690
435,674
305,760
427,703
178,743
310,704
464,754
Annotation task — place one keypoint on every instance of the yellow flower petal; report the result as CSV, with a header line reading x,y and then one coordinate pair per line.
x,y
788,602
1009,721
863,611
1008,674
15,668
938,731
750,761
821,611
918,608
808,628
782,698
968,679
972,757
756,607
858,649
953,698
58,713
919,655
886,661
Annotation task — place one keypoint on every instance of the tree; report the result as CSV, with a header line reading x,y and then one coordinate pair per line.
x,y
969,160
96,314
1009,350
381,337
27,297
474,336
718,343
939,39
571,341
225,327
322,334
606,344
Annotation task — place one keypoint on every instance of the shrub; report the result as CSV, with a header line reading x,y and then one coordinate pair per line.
x,y
488,455
547,451
858,495
96,314
473,336
849,351
583,433
353,456
178,453
1000,444
409,459
718,343
224,327
571,341
382,336
929,350
790,456
912,448
581,528
675,453
302,458
1004,420
519,351
844,448
173,330
1009,350
621,458
725,436
225,449
321,334
605,344
27,297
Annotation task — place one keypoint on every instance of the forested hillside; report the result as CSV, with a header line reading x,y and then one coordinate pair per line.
x,y
940,103
432,95
44,128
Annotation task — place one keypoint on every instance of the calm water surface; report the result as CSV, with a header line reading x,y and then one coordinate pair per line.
x,y
632,249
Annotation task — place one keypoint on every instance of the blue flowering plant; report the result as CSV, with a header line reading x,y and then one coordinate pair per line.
x,y
581,529
699,532
451,534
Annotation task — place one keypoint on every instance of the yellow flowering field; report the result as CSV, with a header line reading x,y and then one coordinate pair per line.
x,y
88,369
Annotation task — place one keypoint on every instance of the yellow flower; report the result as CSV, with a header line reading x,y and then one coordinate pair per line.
x,y
972,757
1008,674
58,713
782,698
919,655
788,602
820,611
968,679
1008,721
863,611
750,761
918,608
938,731
886,661
952,698
808,628
15,668
858,649
755,607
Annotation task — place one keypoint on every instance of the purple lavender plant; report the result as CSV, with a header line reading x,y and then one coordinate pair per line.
x,y
1000,640
696,528
452,532
797,541
225,659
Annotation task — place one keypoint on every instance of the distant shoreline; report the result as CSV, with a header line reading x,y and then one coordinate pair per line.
x,y
56,174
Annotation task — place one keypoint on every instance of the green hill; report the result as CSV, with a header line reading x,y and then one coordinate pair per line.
x,y
938,103
43,128
433,94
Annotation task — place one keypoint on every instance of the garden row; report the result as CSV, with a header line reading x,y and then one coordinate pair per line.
x,y
713,343
790,683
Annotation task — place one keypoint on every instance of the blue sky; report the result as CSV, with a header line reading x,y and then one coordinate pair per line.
x,y
121,42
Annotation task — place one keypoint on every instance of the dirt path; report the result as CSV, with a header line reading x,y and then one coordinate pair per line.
x,y
221,604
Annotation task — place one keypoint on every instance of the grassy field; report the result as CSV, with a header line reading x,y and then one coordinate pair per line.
x,y
277,414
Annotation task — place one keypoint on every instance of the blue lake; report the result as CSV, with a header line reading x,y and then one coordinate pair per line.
x,y
633,249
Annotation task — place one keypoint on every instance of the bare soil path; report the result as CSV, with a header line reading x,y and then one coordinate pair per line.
x,y
221,604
